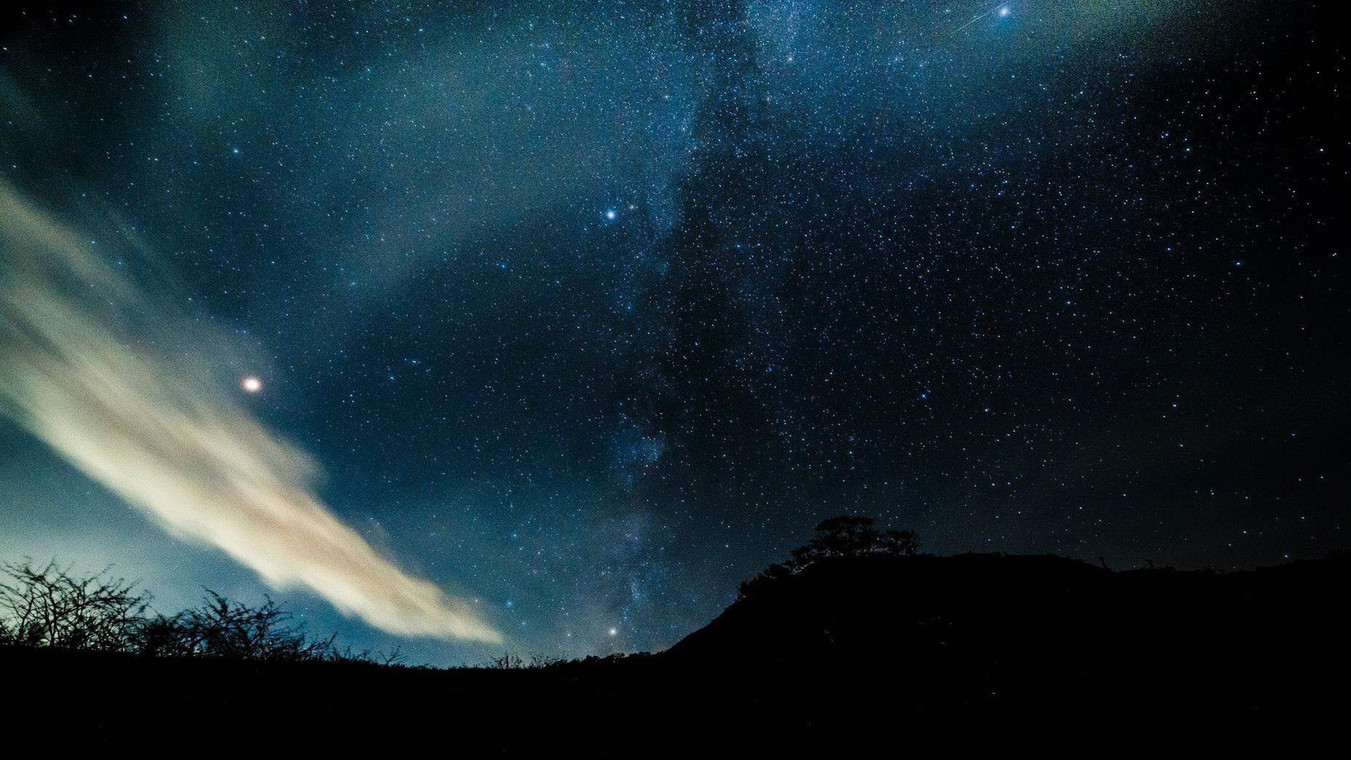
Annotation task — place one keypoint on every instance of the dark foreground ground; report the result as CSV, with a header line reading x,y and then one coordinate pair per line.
x,y
898,654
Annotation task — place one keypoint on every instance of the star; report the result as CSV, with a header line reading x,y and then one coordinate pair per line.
x,y
1038,231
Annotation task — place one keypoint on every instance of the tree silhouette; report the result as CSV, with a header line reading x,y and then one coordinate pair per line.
x,y
853,536
839,537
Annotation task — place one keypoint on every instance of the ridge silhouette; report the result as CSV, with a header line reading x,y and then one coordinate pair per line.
x,y
831,655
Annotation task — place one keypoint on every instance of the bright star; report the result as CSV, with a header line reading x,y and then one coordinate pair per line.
x,y
1004,11
610,214
614,631
251,384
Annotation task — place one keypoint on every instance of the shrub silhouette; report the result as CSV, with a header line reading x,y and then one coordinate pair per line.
x,y
839,537
509,661
222,628
49,607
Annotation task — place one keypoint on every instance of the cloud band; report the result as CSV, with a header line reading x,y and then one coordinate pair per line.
x,y
85,366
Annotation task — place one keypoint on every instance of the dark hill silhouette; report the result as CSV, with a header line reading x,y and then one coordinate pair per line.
x,y
1042,632
833,656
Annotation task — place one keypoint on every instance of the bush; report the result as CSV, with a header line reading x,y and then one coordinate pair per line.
x,y
49,607
222,628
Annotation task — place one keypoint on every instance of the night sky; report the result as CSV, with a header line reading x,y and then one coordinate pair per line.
x,y
589,311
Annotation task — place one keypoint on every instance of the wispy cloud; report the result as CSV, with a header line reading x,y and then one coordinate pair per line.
x,y
93,366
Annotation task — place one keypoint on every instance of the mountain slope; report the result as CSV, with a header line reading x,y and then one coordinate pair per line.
x,y
846,655
1040,631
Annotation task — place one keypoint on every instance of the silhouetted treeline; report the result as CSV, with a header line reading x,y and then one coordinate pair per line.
x,y
49,606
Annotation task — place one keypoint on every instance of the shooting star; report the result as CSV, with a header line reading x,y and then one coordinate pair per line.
x,y
1002,9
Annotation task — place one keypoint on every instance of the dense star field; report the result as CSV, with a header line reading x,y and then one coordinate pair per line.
x,y
588,311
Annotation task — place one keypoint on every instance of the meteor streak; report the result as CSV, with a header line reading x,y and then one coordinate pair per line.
x,y
1002,9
